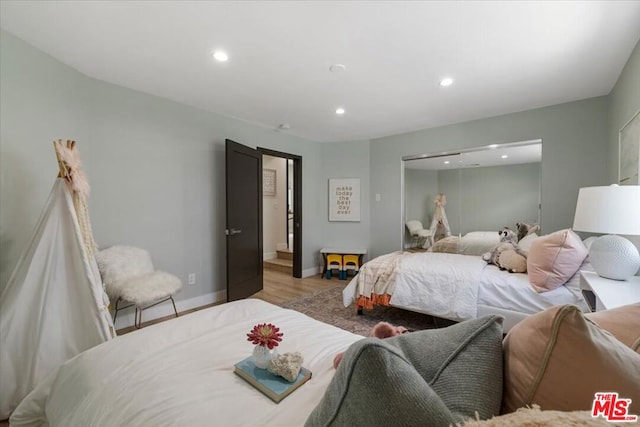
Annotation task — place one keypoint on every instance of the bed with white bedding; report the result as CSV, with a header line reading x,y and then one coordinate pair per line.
x,y
180,373
461,287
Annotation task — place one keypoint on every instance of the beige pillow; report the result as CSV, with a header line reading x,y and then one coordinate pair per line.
x,y
623,323
559,359
554,258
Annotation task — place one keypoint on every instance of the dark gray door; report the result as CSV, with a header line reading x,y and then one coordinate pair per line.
x,y
244,220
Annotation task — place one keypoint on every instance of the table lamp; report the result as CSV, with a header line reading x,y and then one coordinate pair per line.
x,y
613,210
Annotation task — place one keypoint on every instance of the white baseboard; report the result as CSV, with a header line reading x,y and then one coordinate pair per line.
x,y
311,271
126,317
269,255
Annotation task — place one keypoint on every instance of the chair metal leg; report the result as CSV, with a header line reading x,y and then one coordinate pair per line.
x,y
139,310
174,305
138,318
115,314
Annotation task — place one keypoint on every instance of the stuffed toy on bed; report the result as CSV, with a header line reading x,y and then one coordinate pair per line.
x,y
525,229
380,330
506,254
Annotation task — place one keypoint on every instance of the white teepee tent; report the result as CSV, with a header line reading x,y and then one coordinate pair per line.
x,y
54,305
439,224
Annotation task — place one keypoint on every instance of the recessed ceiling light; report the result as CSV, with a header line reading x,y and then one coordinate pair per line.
x,y
504,156
447,81
336,68
446,162
220,55
493,146
340,111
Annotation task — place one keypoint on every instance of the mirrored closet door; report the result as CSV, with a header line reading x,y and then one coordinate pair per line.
x,y
485,189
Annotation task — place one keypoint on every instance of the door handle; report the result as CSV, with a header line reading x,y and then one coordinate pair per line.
x,y
232,232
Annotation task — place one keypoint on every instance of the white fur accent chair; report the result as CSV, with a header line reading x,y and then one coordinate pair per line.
x,y
129,277
419,235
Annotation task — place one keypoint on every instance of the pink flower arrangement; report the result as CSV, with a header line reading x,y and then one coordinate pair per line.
x,y
266,335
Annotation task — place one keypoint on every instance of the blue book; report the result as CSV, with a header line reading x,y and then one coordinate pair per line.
x,y
273,386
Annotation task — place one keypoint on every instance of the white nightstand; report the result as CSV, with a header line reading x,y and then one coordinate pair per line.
x,y
604,294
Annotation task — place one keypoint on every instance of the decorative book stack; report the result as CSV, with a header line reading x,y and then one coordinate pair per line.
x,y
273,386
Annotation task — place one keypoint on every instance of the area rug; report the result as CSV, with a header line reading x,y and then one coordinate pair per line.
x,y
326,306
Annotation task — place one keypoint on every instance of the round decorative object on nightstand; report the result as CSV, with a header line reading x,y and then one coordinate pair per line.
x,y
614,257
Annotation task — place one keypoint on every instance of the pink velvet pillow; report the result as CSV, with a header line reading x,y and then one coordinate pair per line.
x,y
554,258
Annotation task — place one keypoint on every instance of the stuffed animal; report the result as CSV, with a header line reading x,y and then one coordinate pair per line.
x,y
380,330
508,240
525,229
513,260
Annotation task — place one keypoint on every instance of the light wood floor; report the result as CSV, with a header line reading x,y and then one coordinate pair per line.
x,y
278,288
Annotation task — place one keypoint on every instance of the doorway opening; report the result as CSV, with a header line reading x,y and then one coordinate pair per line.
x,y
282,212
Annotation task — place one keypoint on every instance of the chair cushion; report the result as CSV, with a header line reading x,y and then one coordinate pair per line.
x,y
430,377
424,233
147,288
559,359
118,262
414,226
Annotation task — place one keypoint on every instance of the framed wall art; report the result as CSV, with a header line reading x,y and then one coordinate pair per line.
x,y
268,182
629,152
344,199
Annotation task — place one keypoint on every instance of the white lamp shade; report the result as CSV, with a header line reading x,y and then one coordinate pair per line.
x,y
610,210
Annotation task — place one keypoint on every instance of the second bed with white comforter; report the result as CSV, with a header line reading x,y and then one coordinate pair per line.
x,y
461,287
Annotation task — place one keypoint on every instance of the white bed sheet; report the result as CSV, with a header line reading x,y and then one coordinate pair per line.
x,y
512,291
180,373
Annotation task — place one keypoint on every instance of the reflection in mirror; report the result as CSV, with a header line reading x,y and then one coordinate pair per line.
x,y
486,189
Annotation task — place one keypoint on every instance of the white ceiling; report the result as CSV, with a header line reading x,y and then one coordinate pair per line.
x,y
504,56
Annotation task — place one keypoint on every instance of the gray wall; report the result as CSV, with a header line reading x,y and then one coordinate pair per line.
x,y
349,159
41,100
156,167
499,196
420,189
573,152
624,102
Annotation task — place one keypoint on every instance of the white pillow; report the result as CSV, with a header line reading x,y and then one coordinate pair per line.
x,y
525,244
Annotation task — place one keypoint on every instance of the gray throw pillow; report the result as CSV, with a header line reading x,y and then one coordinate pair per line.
x,y
434,377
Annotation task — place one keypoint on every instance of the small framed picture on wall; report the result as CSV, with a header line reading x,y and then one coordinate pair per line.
x,y
268,182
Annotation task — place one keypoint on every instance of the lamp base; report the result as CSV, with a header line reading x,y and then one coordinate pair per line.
x,y
614,257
